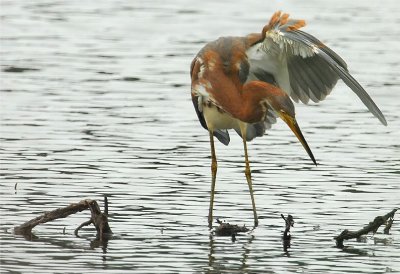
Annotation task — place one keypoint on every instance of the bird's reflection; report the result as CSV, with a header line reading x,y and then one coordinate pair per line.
x,y
212,251
246,251
215,265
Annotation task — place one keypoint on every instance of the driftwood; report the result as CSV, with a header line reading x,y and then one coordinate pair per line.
x,y
371,227
98,219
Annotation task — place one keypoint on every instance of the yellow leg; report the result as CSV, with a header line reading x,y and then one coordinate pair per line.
x,y
243,129
214,175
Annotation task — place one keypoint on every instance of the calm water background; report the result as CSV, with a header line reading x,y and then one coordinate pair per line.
x,y
95,99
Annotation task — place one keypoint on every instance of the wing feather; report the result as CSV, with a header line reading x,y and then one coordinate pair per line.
x,y
298,84
325,49
301,64
344,75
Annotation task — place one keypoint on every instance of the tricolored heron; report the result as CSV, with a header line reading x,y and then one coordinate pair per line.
x,y
245,83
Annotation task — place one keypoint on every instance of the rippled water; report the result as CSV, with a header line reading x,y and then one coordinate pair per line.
x,y
95,100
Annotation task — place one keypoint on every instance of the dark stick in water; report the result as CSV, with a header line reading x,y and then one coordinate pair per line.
x,y
371,227
289,222
98,219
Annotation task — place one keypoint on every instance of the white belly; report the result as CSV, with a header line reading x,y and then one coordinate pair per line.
x,y
216,119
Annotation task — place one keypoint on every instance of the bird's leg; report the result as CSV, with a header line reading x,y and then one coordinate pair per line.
x,y
243,129
214,175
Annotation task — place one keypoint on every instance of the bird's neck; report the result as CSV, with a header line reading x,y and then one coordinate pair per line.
x,y
257,96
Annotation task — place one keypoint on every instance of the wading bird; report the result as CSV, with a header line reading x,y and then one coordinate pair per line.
x,y
245,83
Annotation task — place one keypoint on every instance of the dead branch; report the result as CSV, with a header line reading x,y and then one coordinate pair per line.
x,y
98,219
371,227
88,222
389,224
27,227
289,222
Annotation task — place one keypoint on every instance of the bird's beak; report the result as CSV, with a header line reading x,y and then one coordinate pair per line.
x,y
292,123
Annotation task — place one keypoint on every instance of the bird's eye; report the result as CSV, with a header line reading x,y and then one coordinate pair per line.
x,y
282,111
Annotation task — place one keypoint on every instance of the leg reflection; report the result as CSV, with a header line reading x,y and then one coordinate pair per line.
x,y
220,254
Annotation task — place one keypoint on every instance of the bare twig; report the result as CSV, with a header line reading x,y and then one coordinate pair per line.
x,y
88,222
105,205
371,227
289,222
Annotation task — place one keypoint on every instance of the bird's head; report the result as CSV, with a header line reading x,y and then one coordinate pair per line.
x,y
284,108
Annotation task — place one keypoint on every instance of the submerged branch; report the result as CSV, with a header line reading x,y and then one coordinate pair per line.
x,y
27,227
371,227
98,219
289,222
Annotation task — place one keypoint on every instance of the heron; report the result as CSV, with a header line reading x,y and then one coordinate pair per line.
x,y
246,83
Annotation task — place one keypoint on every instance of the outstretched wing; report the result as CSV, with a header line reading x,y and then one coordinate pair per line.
x,y
301,64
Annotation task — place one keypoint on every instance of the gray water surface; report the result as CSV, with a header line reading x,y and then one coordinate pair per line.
x,y
95,99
